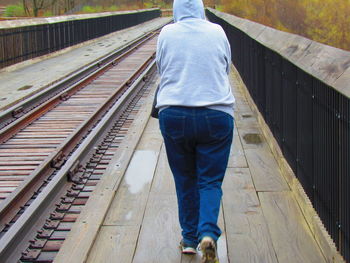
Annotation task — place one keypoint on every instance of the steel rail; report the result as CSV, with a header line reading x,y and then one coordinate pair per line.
x,y
17,112
26,119
14,235
10,206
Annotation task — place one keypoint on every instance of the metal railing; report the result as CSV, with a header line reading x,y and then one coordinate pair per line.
x,y
310,121
22,43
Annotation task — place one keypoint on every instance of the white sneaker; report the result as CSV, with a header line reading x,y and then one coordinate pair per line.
x,y
187,249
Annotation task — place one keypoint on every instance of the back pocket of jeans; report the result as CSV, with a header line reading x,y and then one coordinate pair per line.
x,y
173,126
219,126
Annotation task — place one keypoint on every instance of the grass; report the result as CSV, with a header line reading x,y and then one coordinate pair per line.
x,y
14,11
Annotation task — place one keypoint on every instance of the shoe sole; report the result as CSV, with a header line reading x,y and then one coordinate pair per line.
x,y
188,251
209,252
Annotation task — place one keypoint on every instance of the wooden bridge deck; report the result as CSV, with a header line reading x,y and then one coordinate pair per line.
x,y
133,218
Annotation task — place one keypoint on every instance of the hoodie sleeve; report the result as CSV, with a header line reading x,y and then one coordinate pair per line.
x,y
159,54
228,53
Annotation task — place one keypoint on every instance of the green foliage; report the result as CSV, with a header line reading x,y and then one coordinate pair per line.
x,y
92,9
48,13
14,11
325,21
120,5
220,8
131,6
87,9
148,5
113,8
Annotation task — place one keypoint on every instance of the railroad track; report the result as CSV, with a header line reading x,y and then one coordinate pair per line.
x,y
61,148
22,108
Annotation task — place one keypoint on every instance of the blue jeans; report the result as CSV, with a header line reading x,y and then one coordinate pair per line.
x,y
198,142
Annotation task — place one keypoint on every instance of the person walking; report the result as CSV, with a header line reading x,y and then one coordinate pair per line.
x,y
195,105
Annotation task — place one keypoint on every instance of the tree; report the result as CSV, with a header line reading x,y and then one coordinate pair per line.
x,y
325,21
33,7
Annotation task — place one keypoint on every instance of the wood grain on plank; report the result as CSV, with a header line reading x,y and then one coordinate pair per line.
x,y
151,138
237,157
160,233
265,171
242,106
126,208
290,233
163,181
238,179
246,119
114,244
222,242
248,239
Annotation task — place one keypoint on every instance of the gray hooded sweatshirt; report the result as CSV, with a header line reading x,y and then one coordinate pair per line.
x,y
193,60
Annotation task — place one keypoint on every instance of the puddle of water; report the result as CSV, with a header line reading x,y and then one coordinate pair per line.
x,y
252,138
140,171
25,87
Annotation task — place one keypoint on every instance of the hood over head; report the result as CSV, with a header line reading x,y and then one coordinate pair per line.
x,y
184,9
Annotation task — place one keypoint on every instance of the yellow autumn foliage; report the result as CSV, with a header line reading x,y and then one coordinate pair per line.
x,y
325,21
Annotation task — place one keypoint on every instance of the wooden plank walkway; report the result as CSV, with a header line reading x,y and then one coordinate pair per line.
x,y
260,219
